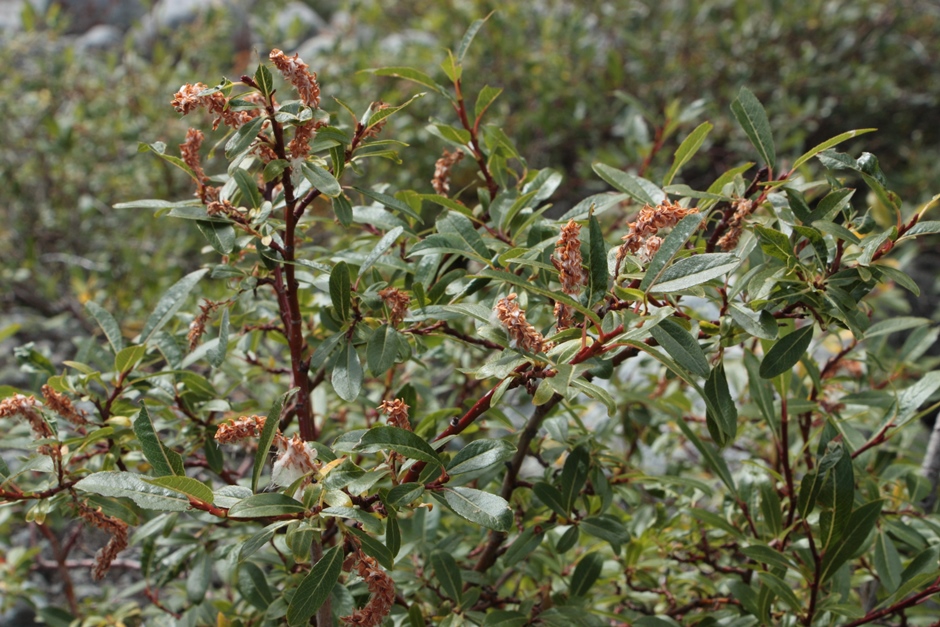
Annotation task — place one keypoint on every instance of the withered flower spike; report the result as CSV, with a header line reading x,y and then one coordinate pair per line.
x,y
115,527
640,239
295,71
62,405
397,412
442,168
522,334
397,302
382,594
26,406
241,429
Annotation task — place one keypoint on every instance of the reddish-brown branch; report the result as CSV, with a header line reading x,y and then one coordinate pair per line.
x,y
911,601
461,108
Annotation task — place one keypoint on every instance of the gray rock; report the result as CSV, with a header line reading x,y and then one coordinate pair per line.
x,y
84,14
99,38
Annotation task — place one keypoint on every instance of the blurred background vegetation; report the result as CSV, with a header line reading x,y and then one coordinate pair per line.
x,y
618,81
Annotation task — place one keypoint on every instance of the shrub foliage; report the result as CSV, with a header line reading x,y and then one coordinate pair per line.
x,y
440,405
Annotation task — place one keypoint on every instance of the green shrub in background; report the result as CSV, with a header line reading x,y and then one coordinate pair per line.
x,y
670,405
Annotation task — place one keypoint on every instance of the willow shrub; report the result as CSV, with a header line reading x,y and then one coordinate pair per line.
x,y
410,408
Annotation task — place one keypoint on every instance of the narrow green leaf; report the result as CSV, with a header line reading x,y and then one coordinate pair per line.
x,y
128,358
681,346
248,186
321,179
264,80
671,245
380,248
786,352
830,205
468,38
458,228
266,505
480,455
712,458
271,425
163,460
484,99
383,114
781,589
887,562
774,243
341,290
550,496
390,202
374,548
597,261
184,485
347,373
405,493
479,507
343,210
403,442
220,235
505,618
857,530
687,149
721,405
639,189
760,390
244,137
315,589
893,325
253,586
750,114
216,355
829,143
447,574
574,475
110,326
695,270
414,76
606,527
261,538
586,574
128,485
169,304
911,398
382,349
159,149
763,554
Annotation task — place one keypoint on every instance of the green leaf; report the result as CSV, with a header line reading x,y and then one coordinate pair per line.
x,y
163,460
447,574
695,270
271,425
110,326
887,562
522,546
859,526
681,346
550,496
460,230
244,137
383,245
405,493
343,210
159,149
505,618
721,407
253,586
248,187
911,398
468,38
216,355
556,295
893,325
128,358
374,548
390,202
257,541
264,80
829,143
185,485
639,189
340,290
687,149
369,522
750,114
712,458
597,261
763,554
786,352
169,304
832,203
484,99
413,75
479,507
774,243
128,485
586,573
671,244
606,527
379,115
321,179
347,373
315,589
574,475
266,505
200,574
781,589
403,442
382,349
480,455
220,235
760,390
